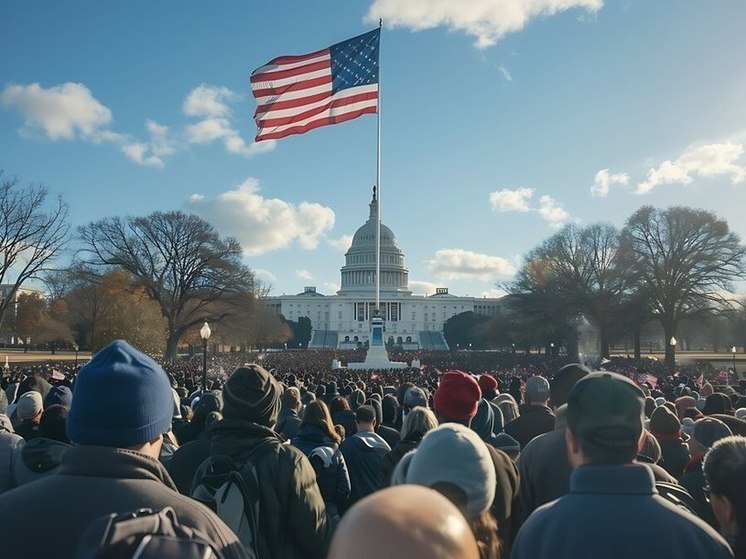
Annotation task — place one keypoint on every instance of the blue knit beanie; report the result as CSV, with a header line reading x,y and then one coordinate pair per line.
x,y
121,398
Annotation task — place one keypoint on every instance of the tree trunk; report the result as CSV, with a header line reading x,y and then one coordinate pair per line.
x,y
638,336
604,335
172,346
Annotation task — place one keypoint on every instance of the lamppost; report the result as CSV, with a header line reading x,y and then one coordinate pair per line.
x,y
733,351
551,348
76,348
204,333
672,342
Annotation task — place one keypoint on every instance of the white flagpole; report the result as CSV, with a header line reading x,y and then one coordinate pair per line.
x,y
378,184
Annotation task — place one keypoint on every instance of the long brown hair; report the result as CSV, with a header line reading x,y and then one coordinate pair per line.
x,y
317,414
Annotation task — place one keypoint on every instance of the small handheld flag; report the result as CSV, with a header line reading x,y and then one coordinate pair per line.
x,y
295,94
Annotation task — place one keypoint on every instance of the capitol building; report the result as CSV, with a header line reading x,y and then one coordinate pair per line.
x,y
343,320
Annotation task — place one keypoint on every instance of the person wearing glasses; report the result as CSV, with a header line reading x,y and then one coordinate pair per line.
x,y
725,489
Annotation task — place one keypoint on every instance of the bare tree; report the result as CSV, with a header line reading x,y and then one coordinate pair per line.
x,y
33,233
180,261
683,259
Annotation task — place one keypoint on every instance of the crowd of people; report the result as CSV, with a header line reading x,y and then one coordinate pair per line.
x,y
471,454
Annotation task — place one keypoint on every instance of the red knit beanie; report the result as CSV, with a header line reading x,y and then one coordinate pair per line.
x,y
487,383
457,396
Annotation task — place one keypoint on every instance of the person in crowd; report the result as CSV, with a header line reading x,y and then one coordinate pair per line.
x,y
418,421
289,421
508,407
42,455
59,395
390,409
613,504
401,391
489,386
391,436
706,432
208,402
665,427
725,473
113,466
487,423
10,446
363,453
536,418
292,516
342,414
318,440
454,461
404,522
456,401
649,454
543,465
28,412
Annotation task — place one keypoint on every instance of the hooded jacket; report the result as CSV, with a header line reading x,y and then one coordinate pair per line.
x,y
94,481
40,457
363,453
329,464
292,516
10,447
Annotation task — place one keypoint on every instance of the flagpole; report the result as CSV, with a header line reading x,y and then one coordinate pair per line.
x,y
378,184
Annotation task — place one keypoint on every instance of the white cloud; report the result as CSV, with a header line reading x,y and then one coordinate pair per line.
x,y
494,293
341,244
161,142
505,73
487,20
331,287
457,263
603,181
303,274
209,102
511,200
63,112
709,160
138,152
264,224
518,201
423,287
552,211
264,275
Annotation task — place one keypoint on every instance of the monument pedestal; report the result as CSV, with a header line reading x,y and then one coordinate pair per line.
x,y
377,356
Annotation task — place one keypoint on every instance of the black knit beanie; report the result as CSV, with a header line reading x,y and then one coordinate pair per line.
x,y
252,393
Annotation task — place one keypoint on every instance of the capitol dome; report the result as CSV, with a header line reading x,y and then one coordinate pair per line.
x,y
359,271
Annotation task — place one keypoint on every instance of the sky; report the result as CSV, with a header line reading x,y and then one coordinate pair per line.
x,y
501,121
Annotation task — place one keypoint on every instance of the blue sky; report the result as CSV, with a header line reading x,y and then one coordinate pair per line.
x,y
501,121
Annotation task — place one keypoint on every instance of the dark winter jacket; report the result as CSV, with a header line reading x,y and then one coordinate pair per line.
x,y
674,455
533,421
391,459
505,507
364,454
391,436
345,418
288,423
292,516
694,481
615,512
329,465
94,481
40,457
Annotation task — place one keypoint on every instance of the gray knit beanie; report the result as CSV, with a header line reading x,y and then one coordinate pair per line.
x,y
452,453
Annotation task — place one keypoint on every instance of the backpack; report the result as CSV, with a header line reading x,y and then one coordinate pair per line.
x,y
231,490
144,534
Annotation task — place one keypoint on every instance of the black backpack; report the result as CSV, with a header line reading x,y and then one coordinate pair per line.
x,y
230,488
144,534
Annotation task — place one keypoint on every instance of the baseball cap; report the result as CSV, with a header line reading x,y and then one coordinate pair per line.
x,y
537,389
606,409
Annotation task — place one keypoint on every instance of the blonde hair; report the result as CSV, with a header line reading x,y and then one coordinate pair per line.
x,y
418,421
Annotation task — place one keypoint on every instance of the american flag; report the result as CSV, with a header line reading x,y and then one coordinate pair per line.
x,y
295,94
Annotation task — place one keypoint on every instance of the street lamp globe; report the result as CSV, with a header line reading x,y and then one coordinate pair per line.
x,y
673,341
205,332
